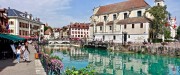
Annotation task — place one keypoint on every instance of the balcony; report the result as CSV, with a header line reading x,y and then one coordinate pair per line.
x,y
98,33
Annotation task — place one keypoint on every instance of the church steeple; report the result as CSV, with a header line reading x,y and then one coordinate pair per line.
x,y
159,3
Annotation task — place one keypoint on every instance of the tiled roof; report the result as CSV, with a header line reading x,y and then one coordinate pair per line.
x,y
80,25
100,24
56,29
91,25
3,10
122,6
16,13
48,31
133,20
110,23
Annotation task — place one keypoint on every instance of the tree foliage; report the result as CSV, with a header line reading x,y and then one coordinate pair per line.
x,y
178,33
160,18
47,27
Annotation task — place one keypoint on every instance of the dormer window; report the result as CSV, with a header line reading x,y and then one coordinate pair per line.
x,y
105,18
114,17
22,15
125,15
139,13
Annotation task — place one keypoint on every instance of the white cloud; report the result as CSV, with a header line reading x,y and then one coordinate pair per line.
x,y
50,11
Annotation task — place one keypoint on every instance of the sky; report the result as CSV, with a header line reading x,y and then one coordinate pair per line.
x,y
58,13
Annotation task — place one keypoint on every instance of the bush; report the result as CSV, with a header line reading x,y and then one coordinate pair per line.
x,y
84,71
156,40
168,40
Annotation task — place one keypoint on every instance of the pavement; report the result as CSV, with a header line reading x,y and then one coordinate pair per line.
x,y
32,67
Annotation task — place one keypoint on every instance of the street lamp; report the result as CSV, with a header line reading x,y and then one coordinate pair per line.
x,y
38,39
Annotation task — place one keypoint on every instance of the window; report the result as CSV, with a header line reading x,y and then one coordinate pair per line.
x,y
12,31
129,36
72,32
11,22
158,4
105,18
125,26
110,27
141,25
19,32
125,15
103,37
100,27
78,35
132,25
114,37
81,35
114,17
139,14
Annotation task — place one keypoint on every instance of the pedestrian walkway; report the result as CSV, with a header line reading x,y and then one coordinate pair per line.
x,y
33,67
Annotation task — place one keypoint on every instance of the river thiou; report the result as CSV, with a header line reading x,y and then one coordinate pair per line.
x,y
95,44
105,62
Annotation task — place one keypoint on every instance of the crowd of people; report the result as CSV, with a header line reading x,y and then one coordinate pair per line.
x,y
22,52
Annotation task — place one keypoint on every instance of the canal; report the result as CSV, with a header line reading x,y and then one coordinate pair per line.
x,y
114,63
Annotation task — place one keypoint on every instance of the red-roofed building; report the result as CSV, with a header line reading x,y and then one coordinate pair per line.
x,y
56,32
123,21
3,20
79,30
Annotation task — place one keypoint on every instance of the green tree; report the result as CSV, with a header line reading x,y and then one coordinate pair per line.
x,y
178,33
167,33
160,18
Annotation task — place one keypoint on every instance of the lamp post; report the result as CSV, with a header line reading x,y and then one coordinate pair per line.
x,y
38,39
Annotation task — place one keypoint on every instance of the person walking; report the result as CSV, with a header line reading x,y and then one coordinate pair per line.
x,y
23,50
26,52
18,53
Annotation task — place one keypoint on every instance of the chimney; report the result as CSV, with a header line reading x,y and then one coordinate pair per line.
x,y
30,16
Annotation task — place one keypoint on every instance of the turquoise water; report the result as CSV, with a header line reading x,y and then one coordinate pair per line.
x,y
113,63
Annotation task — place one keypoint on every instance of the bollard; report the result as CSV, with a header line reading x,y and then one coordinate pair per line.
x,y
36,55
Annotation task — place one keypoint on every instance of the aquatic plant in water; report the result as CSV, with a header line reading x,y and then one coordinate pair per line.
x,y
84,71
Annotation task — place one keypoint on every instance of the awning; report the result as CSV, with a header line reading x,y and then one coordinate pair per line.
x,y
11,37
29,37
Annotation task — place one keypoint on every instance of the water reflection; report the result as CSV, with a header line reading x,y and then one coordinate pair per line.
x,y
113,63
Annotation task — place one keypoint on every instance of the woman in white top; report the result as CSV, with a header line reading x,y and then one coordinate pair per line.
x,y
18,53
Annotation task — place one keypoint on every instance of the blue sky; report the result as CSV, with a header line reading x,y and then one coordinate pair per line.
x,y
58,13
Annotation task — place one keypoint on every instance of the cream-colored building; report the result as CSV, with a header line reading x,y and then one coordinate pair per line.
x,y
120,21
64,32
22,23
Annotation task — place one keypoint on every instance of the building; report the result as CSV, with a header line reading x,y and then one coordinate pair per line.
x,y
48,32
123,21
56,32
23,23
79,30
64,32
173,27
3,20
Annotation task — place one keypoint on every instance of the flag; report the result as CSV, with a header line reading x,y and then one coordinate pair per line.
x,y
174,26
7,26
